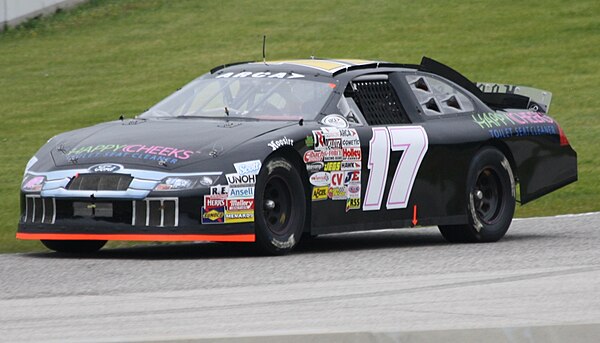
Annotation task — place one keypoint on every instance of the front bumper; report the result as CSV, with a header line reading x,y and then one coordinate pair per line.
x,y
149,219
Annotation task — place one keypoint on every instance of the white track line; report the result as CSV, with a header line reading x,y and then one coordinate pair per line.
x,y
561,216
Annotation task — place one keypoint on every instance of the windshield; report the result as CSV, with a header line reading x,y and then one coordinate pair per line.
x,y
259,98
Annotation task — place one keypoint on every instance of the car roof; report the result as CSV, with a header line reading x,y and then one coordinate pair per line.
x,y
320,66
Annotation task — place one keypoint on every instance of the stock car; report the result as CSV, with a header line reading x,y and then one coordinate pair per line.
x,y
267,152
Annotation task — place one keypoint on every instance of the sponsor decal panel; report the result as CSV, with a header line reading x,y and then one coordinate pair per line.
x,y
515,124
219,189
245,216
331,132
337,179
167,154
352,176
214,215
248,167
278,143
332,166
337,153
348,133
318,140
214,201
351,165
105,168
236,179
351,142
337,193
320,179
335,120
241,192
314,167
352,204
242,204
309,141
353,154
313,156
333,155
353,191
319,193
260,75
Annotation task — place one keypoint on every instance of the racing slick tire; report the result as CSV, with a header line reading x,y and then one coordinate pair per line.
x,y
280,207
74,247
490,200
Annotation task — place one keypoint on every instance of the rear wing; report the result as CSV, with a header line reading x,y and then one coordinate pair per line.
x,y
539,100
497,96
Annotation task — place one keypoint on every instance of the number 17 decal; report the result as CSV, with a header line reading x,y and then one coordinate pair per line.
x,y
413,142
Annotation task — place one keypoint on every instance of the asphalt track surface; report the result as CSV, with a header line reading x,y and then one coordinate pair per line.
x,y
545,272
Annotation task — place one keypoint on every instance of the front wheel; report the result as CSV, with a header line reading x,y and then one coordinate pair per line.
x,y
490,200
280,207
74,247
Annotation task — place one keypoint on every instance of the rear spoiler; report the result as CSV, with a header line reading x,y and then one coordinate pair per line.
x,y
497,96
539,100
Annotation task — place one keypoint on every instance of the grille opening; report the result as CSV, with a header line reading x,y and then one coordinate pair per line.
x,y
156,212
100,182
39,210
48,217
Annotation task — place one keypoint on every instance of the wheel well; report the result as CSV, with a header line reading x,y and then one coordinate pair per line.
x,y
293,156
500,145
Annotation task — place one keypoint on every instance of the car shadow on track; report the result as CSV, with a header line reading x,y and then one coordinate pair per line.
x,y
388,239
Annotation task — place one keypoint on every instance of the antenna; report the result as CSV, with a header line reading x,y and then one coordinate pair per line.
x,y
265,49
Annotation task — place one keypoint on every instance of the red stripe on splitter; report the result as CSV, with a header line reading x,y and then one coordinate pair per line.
x,y
134,237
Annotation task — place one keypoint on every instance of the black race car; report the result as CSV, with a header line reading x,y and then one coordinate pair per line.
x,y
267,152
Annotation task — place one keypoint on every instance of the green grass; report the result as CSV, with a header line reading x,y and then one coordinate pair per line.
x,y
107,58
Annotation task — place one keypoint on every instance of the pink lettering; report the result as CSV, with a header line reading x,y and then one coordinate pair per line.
x,y
165,151
131,148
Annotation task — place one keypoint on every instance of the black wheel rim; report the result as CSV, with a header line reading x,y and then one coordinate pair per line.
x,y
487,195
277,205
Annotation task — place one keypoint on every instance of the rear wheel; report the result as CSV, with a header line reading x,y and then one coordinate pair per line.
x,y
490,200
74,247
280,207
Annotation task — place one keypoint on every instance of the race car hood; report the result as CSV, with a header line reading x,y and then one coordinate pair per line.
x,y
175,142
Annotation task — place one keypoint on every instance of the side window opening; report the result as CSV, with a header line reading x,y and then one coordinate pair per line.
x,y
437,97
349,109
377,100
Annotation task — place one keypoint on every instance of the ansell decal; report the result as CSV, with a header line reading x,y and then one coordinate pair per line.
x,y
241,192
